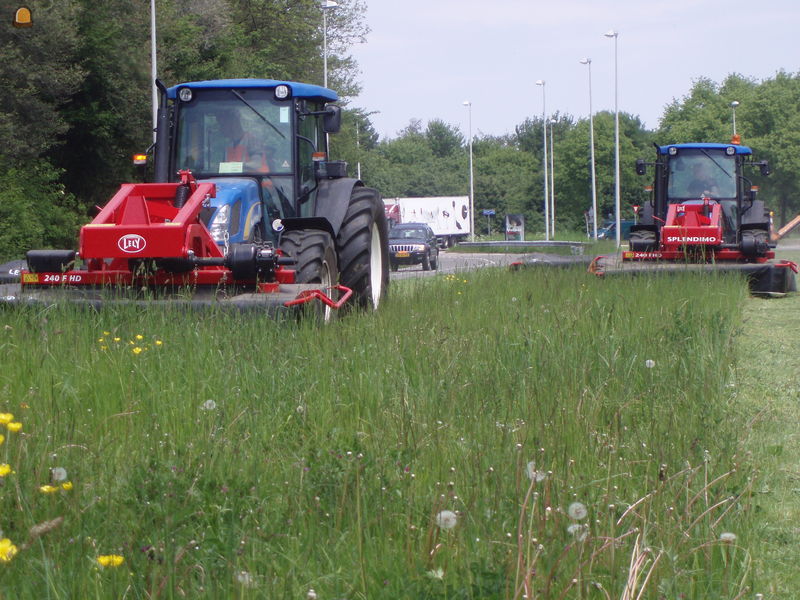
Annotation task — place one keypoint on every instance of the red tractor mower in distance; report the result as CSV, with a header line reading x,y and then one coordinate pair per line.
x,y
703,215
246,210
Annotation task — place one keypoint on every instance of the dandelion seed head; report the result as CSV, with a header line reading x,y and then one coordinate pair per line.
x,y
58,474
446,519
727,537
649,363
533,474
208,405
577,511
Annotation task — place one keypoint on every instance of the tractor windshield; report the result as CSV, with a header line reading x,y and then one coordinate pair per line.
x,y
224,132
701,173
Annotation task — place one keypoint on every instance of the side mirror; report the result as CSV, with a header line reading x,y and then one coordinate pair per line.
x,y
641,166
332,120
765,168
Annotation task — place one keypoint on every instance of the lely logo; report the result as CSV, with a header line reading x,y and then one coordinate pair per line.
x,y
131,243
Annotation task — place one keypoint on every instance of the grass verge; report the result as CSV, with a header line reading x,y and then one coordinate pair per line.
x,y
492,435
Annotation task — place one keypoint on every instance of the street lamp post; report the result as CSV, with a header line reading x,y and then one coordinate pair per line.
x,y
468,104
153,68
552,184
542,82
734,104
615,34
588,62
326,4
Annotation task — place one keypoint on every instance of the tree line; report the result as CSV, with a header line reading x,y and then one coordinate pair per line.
x,y
75,105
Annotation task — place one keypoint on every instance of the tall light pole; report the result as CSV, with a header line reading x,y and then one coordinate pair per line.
x,y
326,4
552,184
468,104
153,67
734,104
541,82
615,34
588,62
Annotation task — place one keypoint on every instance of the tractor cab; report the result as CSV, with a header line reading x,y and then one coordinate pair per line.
x,y
261,142
703,185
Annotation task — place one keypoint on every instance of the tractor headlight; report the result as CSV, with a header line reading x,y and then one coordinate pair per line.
x,y
185,94
672,150
220,223
730,150
282,92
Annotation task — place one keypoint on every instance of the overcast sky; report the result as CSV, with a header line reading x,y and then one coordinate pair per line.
x,y
423,58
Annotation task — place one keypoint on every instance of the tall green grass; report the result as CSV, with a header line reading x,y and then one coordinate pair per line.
x,y
237,456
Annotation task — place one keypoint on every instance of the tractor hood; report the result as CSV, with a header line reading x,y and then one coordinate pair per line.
x,y
240,196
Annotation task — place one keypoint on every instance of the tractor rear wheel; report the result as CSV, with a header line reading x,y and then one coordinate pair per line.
x,y
363,244
315,256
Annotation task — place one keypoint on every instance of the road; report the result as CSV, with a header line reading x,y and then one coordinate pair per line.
x,y
451,262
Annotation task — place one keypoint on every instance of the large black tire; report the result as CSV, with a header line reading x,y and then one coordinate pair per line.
x,y
363,247
435,262
426,261
315,254
643,240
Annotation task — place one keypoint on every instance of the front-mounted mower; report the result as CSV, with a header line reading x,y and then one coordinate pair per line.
x,y
703,215
245,210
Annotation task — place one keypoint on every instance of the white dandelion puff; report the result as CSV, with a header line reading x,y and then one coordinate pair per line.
x,y
649,363
533,474
58,474
577,511
436,573
727,537
208,405
245,579
311,595
578,531
446,519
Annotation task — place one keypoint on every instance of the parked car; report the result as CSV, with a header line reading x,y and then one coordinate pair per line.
x,y
609,230
413,244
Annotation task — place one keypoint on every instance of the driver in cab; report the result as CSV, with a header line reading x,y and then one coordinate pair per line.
x,y
241,146
703,184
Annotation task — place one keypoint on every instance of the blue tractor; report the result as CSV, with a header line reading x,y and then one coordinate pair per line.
x,y
264,144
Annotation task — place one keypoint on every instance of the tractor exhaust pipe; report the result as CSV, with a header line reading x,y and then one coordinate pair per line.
x,y
161,174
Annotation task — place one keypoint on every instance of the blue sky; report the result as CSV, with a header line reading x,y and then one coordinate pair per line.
x,y
423,58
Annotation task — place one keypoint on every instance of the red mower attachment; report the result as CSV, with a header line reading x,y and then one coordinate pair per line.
x,y
150,241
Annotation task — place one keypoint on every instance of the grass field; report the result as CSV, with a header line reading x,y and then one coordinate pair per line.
x,y
492,435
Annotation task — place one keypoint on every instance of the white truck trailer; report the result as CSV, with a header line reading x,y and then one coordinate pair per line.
x,y
448,216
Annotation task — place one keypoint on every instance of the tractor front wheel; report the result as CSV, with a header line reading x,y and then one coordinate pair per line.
x,y
363,247
315,256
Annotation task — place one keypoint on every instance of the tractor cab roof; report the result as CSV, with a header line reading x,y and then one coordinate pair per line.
x,y
705,146
298,90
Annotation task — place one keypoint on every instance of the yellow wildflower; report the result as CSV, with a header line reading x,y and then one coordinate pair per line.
x,y
139,336
106,333
5,469
6,418
116,339
101,340
48,489
14,426
2,438
159,342
110,560
137,350
66,486
7,550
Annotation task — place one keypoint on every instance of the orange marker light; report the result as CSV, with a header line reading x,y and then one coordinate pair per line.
x,y
140,159
22,18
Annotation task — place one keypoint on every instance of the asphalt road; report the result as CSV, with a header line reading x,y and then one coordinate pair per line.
x,y
451,262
